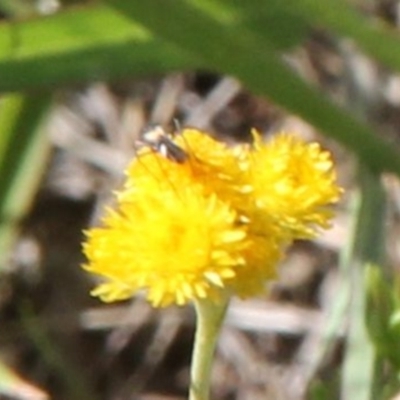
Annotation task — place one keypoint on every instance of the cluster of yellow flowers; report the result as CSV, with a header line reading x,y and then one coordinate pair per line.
x,y
216,223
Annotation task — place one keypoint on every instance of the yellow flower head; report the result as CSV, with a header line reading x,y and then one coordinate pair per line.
x,y
216,222
293,183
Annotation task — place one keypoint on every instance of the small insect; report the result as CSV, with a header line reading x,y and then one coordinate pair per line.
x,y
161,142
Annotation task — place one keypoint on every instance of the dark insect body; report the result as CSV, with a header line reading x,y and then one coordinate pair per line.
x,y
161,142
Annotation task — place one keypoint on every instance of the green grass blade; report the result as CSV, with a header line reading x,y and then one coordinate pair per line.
x,y
81,44
275,21
358,378
291,19
373,37
22,158
239,53
99,43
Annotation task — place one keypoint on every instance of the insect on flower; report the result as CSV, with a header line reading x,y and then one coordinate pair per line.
x,y
161,142
177,231
164,166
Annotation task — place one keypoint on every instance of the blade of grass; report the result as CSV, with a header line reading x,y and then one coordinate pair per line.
x,y
81,44
373,37
82,49
241,54
367,248
23,156
294,17
275,21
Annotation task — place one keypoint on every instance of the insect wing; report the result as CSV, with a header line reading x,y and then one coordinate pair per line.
x,y
161,142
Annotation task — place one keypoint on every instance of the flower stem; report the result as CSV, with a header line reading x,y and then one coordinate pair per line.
x,y
210,316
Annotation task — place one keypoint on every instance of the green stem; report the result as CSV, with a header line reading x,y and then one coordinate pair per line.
x,y
210,316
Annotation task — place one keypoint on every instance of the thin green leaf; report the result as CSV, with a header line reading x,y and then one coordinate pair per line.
x,y
275,21
82,44
97,43
382,308
337,15
23,157
238,52
366,248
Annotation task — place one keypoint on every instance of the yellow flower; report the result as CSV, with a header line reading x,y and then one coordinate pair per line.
x,y
293,182
167,237
216,223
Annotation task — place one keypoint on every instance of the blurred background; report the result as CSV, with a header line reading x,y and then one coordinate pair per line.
x,y
81,81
